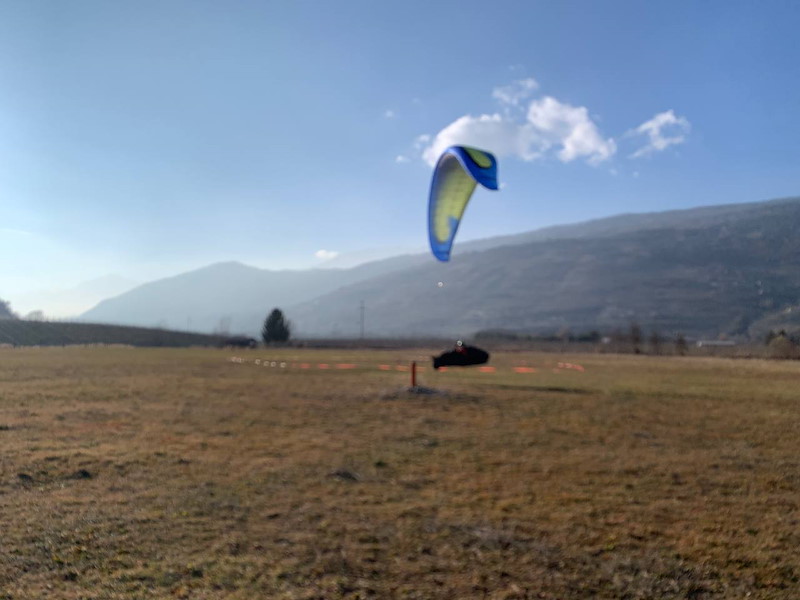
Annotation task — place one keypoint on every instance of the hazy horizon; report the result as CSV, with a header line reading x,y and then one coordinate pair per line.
x,y
70,302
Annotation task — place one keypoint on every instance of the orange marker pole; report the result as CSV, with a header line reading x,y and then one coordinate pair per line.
x,y
413,374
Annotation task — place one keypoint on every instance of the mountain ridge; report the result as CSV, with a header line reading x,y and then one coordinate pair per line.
x,y
529,281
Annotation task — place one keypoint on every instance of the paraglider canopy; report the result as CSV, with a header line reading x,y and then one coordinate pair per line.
x,y
458,171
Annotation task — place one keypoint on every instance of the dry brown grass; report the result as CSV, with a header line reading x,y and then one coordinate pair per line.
x,y
178,474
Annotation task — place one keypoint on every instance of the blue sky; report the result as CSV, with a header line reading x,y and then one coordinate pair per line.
x,y
149,138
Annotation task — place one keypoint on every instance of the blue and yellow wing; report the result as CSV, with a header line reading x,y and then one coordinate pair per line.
x,y
455,177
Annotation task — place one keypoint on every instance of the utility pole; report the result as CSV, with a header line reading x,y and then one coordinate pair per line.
x,y
362,319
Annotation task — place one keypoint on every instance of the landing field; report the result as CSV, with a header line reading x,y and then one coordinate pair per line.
x,y
131,473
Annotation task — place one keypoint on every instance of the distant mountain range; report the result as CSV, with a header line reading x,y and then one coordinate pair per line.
x,y
226,296
731,270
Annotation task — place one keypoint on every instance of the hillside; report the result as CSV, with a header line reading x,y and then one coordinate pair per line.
x,y
225,296
731,277
693,218
229,296
705,271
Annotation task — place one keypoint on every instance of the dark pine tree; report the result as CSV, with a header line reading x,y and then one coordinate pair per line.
x,y
276,328
5,310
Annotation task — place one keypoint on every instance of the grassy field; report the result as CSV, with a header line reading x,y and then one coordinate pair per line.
x,y
130,473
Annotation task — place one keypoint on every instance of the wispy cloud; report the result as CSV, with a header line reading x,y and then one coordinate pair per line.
x,y
326,254
662,131
389,114
514,93
400,158
422,141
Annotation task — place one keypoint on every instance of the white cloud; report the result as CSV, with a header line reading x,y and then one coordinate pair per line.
x,y
541,127
422,141
572,129
401,159
389,114
548,125
663,130
498,134
514,93
326,254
